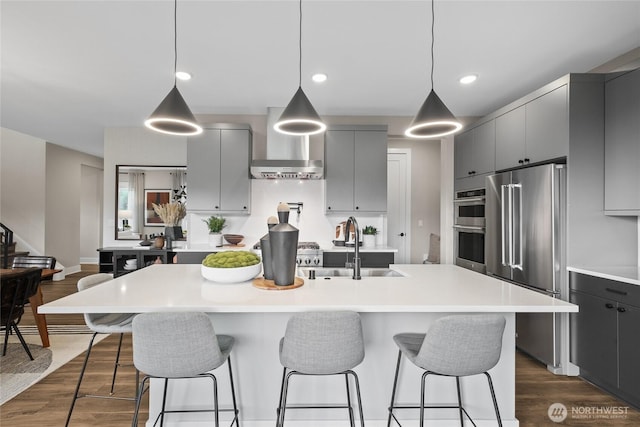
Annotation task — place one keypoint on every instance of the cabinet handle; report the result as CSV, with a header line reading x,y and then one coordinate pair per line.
x,y
329,208
401,234
216,207
609,305
521,161
621,309
244,207
526,160
357,207
615,291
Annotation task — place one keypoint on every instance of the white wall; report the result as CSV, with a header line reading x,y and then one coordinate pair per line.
x,y
90,213
265,197
22,187
63,203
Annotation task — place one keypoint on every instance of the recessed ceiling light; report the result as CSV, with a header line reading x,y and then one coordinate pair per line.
x,y
465,80
183,75
319,77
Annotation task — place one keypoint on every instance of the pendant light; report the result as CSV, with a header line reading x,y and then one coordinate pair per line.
x,y
299,117
434,119
173,115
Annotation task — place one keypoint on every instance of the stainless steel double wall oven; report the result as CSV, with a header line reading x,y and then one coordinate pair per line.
x,y
469,228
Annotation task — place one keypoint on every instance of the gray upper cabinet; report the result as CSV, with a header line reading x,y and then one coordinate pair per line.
x,y
534,132
356,169
474,155
510,139
622,145
547,126
218,169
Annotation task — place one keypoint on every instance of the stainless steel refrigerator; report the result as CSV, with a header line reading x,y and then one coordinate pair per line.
x,y
525,244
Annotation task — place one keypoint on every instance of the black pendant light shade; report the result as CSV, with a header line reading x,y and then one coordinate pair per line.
x,y
433,120
299,117
173,116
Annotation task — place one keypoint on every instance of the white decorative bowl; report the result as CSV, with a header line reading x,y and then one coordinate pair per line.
x,y
231,275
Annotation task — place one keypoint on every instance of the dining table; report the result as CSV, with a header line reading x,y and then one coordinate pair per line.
x,y
36,300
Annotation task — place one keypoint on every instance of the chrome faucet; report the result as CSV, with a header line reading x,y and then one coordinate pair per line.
x,y
356,255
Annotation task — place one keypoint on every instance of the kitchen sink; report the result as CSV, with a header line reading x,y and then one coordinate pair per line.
x,y
348,272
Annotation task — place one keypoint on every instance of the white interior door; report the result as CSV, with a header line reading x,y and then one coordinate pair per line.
x,y
399,203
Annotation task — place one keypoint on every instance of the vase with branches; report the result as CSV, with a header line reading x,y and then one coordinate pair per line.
x,y
171,215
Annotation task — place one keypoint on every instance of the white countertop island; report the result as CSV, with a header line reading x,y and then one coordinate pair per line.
x,y
388,305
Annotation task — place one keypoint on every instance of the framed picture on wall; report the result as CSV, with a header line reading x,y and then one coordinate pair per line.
x,y
158,197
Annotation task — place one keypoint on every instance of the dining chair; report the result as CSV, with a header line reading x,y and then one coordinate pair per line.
x,y
16,289
48,262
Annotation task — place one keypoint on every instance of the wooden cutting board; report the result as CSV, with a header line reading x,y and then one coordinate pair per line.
x,y
270,285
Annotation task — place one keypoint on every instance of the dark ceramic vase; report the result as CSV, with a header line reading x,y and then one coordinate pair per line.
x,y
265,248
283,240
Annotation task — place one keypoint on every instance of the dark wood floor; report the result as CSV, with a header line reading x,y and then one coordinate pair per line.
x,y
46,403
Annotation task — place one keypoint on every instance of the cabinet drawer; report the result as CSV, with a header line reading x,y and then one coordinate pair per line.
x,y
604,288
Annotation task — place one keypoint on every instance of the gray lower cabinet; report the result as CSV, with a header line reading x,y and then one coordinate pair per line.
x,y
367,259
534,132
218,164
184,257
604,334
622,145
356,169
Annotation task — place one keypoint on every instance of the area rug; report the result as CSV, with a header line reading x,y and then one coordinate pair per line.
x,y
17,371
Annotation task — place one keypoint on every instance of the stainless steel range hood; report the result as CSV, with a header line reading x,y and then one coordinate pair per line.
x,y
287,155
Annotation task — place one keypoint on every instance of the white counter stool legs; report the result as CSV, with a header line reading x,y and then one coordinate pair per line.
x,y
455,346
117,323
321,343
176,346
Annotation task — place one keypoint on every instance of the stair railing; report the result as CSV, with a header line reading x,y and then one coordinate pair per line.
x,y
7,241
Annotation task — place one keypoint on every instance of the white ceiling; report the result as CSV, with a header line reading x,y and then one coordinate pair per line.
x,y
72,68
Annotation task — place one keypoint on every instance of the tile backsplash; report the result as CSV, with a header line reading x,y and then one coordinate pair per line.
x,y
313,223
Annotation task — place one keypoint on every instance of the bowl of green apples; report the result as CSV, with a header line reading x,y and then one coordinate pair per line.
x,y
231,266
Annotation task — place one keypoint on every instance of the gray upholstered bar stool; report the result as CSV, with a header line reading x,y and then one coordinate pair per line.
x,y
321,343
116,323
180,345
455,346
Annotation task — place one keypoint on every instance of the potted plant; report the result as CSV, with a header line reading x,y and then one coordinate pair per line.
x,y
171,215
369,236
215,225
